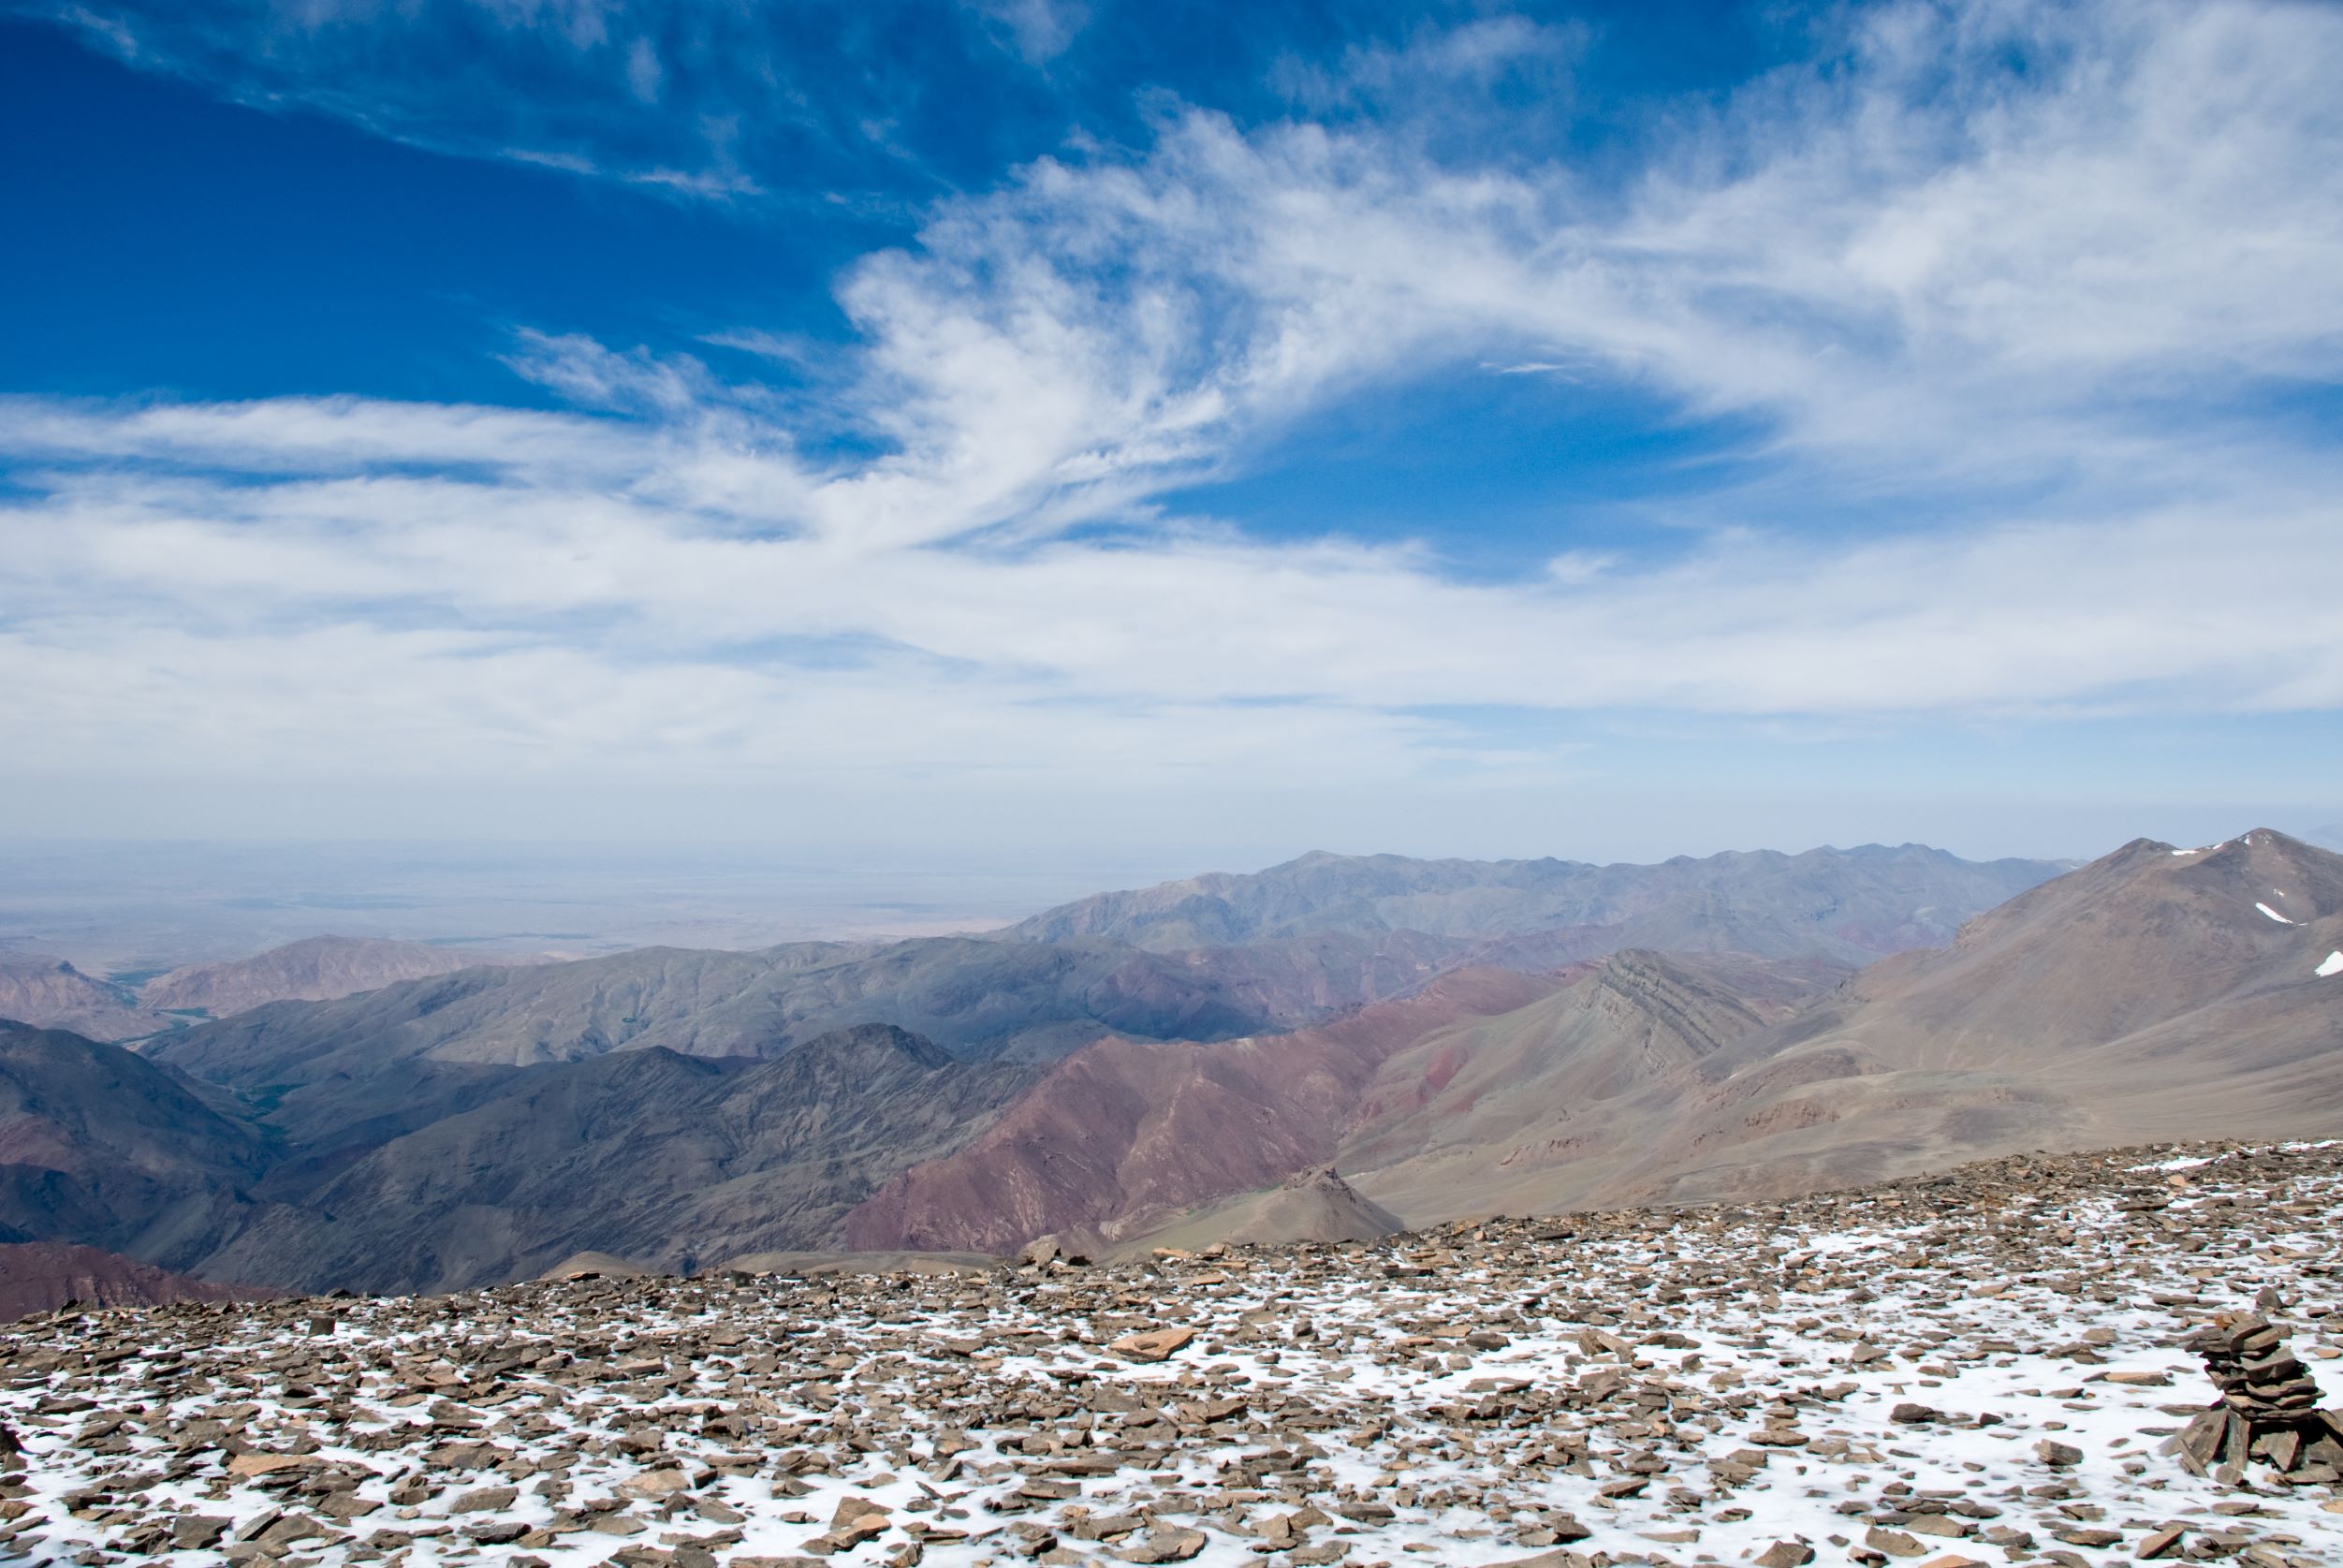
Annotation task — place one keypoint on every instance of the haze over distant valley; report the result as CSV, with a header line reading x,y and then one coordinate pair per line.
x,y
133,910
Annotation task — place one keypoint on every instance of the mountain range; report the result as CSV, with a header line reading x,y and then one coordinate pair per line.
x,y
1853,905
315,968
1330,1045
52,993
2153,994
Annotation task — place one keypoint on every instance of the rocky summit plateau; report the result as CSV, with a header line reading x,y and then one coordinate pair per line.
x,y
2004,1363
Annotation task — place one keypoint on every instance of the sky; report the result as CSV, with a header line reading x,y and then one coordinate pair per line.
x,y
1077,434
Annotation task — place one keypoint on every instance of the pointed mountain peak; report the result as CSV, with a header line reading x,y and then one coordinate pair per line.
x,y
876,1042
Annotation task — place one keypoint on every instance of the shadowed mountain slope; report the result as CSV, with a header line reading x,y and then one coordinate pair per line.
x,y
367,1059
1852,903
316,969
652,1155
101,1147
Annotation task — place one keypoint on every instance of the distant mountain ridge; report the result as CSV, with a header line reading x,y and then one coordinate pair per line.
x,y
1267,949
315,968
1852,904
49,993
1213,956
978,997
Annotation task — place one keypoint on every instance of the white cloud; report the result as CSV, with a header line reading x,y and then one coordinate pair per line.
x,y
1926,277
1984,280
1427,74
645,77
1040,30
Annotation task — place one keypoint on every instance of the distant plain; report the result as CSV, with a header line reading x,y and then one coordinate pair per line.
x,y
128,910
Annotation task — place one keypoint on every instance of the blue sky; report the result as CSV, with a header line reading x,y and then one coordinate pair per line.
x,y
1125,435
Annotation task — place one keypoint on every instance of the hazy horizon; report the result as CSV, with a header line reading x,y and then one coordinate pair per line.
x,y
118,906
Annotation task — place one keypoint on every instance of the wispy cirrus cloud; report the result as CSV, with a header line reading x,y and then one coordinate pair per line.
x,y
1039,29
2022,326
702,102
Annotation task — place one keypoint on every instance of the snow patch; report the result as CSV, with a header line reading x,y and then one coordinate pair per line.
x,y
2185,1162
2274,915
2331,964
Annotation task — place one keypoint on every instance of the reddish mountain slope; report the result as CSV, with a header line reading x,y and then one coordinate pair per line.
x,y
2155,994
1518,1083
1122,1129
42,1276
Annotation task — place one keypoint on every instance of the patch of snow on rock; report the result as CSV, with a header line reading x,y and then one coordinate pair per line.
x,y
2185,1161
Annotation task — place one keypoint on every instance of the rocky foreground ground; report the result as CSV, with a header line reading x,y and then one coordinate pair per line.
x,y
1977,1368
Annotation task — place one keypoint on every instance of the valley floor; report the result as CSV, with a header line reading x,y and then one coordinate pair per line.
x,y
1979,1367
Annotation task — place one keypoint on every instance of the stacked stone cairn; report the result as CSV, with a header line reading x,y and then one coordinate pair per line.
x,y
2268,1408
